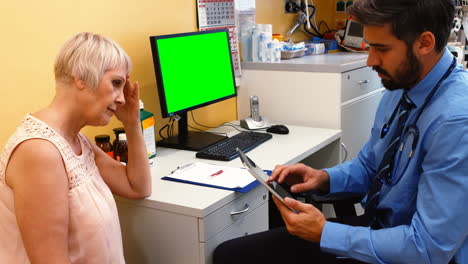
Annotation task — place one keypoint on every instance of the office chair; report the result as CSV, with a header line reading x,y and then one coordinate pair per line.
x,y
343,204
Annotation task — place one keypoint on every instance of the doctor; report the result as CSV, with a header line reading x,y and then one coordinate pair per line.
x,y
414,167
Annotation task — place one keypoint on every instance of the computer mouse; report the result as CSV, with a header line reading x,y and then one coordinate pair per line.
x,y
278,129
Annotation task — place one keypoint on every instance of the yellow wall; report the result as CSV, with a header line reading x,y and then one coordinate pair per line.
x,y
272,12
33,31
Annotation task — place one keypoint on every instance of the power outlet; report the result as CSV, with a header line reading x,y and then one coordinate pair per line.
x,y
291,6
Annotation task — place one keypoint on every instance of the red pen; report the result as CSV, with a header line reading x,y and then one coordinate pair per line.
x,y
217,173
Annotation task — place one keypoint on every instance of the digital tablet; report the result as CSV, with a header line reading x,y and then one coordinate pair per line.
x,y
275,188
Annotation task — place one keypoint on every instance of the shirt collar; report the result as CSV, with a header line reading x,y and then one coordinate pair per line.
x,y
419,92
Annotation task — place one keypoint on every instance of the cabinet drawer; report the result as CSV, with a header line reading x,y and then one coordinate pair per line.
x,y
358,82
357,118
254,222
222,218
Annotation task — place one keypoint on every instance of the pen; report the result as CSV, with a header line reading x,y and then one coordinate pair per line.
x,y
180,168
217,173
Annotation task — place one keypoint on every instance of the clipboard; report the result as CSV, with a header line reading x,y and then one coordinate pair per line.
x,y
215,176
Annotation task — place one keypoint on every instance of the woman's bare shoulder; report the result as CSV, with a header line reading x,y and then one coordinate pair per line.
x,y
33,158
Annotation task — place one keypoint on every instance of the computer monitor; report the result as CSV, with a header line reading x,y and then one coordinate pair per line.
x,y
354,35
193,70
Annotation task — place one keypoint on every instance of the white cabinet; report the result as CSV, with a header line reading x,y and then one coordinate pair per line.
x,y
179,238
254,222
360,96
329,91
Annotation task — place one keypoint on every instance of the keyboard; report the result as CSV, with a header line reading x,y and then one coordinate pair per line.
x,y
225,150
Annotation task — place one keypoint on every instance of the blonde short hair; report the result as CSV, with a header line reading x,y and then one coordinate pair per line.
x,y
87,57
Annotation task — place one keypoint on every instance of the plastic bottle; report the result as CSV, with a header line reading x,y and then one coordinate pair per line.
x,y
263,47
277,51
271,51
117,131
255,43
103,142
273,48
246,42
279,37
268,29
147,125
260,38
268,33
122,148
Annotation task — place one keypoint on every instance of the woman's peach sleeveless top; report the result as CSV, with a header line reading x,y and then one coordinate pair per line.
x,y
94,230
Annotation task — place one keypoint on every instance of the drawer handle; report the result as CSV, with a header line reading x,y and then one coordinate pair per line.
x,y
363,81
241,211
343,146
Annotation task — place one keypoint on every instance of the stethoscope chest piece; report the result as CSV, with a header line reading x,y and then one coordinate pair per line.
x,y
384,130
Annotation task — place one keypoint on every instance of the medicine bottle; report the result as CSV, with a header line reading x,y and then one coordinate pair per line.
x,y
103,142
279,37
117,131
147,126
122,148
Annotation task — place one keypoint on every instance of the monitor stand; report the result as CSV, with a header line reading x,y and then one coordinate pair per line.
x,y
189,140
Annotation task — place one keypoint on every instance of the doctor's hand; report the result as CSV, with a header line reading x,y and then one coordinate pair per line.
x,y
307,224
301,178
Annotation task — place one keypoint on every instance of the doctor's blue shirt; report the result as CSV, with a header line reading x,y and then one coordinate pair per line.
x,y
426,203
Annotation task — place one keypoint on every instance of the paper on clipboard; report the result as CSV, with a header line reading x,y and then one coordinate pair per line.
x,y
214,175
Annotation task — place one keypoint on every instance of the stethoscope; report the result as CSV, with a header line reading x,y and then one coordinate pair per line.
x,y
412,129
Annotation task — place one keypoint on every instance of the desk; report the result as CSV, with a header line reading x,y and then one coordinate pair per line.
x,y
183,223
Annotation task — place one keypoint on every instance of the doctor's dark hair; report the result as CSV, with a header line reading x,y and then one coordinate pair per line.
x,y
409,18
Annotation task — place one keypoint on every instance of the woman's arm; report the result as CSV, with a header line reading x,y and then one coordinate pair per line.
x,y
134,180
36,174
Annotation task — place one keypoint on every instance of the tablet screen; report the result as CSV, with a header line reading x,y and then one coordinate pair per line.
x,y
280,190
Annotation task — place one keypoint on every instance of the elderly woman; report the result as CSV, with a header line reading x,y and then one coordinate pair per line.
x,y
56,186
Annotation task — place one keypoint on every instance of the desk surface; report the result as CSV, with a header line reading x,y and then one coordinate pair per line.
x,y
199,201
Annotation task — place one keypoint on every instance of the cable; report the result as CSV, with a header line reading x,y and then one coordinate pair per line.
x,y
307,14
195,121
216,133
161,129
317,32
314,25
315,22
204,131
255,129
223,124
232,125
236,127
170,129
311,33
324,23
167,127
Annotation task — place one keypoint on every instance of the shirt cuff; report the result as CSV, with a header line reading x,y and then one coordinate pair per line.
x,y
335,184
334,240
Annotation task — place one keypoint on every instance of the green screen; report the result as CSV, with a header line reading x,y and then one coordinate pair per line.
x,y
195,69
